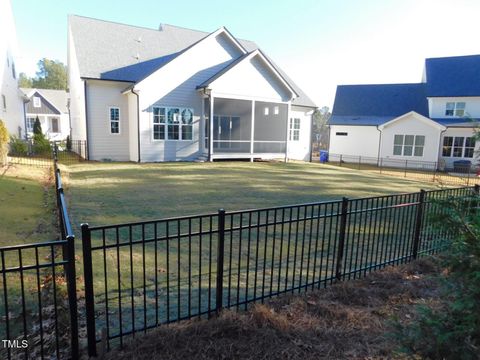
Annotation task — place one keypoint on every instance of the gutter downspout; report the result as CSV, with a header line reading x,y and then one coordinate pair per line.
x,y
311,133
379,145
25,120
138,122
209,124
440,146
87,155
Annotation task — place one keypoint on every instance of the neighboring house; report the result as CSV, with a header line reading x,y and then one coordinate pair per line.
x,y
51,108
178,94
430,121
10,100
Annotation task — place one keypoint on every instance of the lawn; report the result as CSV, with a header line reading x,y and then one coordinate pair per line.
x,y
27,211
106,193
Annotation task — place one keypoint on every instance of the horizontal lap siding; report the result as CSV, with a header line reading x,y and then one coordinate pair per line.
x,y
359,141
175,85
300,150
101,95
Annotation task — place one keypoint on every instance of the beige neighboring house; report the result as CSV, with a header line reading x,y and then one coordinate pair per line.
x,y
11,109
51,108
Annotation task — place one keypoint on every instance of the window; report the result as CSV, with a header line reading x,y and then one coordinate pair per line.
x,y
458,146
294,129
4,102
276,110
455,109
172,123
30,124
54,127
408,145
114,120
341,133
266,110
36,102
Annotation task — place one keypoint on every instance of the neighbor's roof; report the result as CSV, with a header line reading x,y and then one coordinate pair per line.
x,y
453,76
58,98
377,104
113,51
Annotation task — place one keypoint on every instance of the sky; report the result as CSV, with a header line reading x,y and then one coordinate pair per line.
x,y
319,43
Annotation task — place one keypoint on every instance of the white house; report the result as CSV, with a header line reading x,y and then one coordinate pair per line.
x,y
173,94
11,107
51,108
432,121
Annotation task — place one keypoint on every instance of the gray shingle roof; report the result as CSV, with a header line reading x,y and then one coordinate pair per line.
x,y
58,98
113,51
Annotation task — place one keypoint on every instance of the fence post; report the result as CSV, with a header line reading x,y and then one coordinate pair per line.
x,y
220,258
72,295
359,162
406,165
476,188
341,238
435,170
381,165
340,162
418,223
89,297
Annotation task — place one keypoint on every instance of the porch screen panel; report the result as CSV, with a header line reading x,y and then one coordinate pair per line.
x,y
270,127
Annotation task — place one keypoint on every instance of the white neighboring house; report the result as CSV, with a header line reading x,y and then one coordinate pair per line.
x,y
432,121
172,94
10,100
51,108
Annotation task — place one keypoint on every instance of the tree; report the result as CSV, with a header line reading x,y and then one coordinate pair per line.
x,y
24,81
51,74
320,132
3,143
37,127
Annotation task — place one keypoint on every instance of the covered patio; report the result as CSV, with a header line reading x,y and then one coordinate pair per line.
x,y
245,129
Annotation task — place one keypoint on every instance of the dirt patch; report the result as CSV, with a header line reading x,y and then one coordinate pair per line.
x,y
348,320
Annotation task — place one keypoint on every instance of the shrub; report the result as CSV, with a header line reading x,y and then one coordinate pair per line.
x,y
37,127
3,143
41,146
69,143
18,147
451,330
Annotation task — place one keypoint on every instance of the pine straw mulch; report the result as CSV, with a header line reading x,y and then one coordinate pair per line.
x,y
353,320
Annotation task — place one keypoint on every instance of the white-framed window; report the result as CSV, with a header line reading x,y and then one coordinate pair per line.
x,y
114,120
458,146
455,108
172,123
54,128
266,110
294,129
30,124
408,145
4,102
276,110
36,102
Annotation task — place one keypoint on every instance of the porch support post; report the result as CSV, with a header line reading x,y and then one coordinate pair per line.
x,y
252,131
289,108
210,128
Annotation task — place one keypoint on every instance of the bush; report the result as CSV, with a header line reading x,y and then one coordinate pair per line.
x,y
37,127
41,146
69,143
451,330
3,143
18,147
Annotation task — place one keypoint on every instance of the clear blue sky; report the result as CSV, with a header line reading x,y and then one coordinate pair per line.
x,y
319,43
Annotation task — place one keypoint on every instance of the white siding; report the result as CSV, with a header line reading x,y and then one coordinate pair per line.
x,y
77,94
459,132
252,78
175,85
101,95
437,106
411,125
300,150
359,141
13,114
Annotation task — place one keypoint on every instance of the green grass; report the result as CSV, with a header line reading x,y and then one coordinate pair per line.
x,y
113,193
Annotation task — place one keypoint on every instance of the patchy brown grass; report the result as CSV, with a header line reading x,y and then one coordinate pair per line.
x,y
348,320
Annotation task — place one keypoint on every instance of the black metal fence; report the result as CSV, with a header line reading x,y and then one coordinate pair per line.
x,y
73,152
140,275
38,302
463,175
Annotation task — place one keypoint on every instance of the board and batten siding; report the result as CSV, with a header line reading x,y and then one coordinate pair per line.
x,y
300,150
354,140
410,125
174,85
253,79
101,95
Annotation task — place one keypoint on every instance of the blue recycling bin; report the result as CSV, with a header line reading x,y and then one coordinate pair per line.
x,y
323,156
462,166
